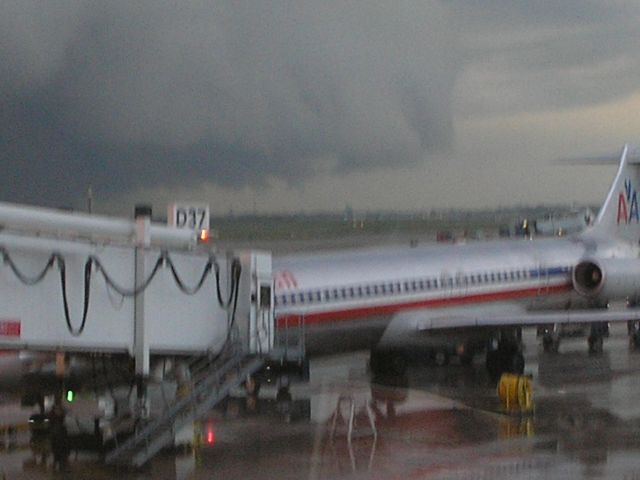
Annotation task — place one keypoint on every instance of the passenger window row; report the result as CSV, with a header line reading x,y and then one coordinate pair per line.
x,y
412,286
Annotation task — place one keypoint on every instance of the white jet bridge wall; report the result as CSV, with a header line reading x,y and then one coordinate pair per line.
x,y
32,316
177,322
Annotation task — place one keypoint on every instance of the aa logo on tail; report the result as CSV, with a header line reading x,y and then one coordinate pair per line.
x,y
628,205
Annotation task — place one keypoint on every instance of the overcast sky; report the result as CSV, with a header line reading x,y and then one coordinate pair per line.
x,y
314,105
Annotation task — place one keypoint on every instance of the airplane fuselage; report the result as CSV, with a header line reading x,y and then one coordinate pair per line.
x,y
347,299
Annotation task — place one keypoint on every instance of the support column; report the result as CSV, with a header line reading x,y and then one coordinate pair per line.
x,y
143,240
141,344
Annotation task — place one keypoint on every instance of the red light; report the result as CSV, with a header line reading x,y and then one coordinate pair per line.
x,y
211,435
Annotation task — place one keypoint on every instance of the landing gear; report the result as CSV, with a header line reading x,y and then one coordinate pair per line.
x,y
550,343
388,362
395,361
466,358
505,355
550,337
283,399
595,340
595,344
504,360
633,327
441,357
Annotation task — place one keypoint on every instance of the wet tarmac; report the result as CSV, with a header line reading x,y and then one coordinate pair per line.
x,y
443,423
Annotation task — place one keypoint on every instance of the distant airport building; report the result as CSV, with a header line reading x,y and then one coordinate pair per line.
x,y
564,225
551,225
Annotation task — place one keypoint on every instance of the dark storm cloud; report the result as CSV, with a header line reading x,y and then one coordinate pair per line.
x,y
123,95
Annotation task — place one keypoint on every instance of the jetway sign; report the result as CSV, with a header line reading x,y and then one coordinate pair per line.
x,y
191,216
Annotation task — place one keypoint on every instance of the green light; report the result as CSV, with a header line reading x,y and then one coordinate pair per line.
x,y
70,395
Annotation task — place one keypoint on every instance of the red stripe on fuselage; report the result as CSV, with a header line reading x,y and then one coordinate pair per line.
x,y
386,309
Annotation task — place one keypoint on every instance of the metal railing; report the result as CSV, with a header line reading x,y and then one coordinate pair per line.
x,y
209,389
289,338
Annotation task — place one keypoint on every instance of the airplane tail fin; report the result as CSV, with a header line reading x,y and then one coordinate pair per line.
x,y
620,213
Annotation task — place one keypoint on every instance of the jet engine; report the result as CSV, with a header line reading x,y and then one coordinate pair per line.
x,y
607,279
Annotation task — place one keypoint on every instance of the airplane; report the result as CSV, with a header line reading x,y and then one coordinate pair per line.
x,y
464,298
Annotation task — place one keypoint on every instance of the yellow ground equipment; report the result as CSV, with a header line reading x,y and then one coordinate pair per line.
x,y
515,392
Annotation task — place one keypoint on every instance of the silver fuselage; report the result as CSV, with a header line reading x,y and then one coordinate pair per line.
x,y
346,299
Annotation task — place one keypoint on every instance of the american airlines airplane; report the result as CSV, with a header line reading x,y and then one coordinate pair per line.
x,y
461,299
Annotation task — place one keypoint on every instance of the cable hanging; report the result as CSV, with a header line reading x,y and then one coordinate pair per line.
x,y
6,258
125,292
57,259
191,290
235,272
87,294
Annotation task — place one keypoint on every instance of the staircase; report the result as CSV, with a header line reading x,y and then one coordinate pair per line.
x,y
212,383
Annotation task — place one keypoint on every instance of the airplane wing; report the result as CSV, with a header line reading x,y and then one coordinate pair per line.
x,y
513,315
503,315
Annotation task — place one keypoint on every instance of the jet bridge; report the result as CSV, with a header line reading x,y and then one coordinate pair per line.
x,y
76,283
85,283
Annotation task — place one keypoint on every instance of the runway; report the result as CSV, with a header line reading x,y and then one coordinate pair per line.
x,y
435,423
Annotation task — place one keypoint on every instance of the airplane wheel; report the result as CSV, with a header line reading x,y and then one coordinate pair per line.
x,y
466,358
517,363
493,364
387,362
501,361
397,363
595,344
376,361
549,344
441,358
633,329
634,335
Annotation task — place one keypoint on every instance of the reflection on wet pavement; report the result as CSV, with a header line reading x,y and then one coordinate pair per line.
x,y
444,423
